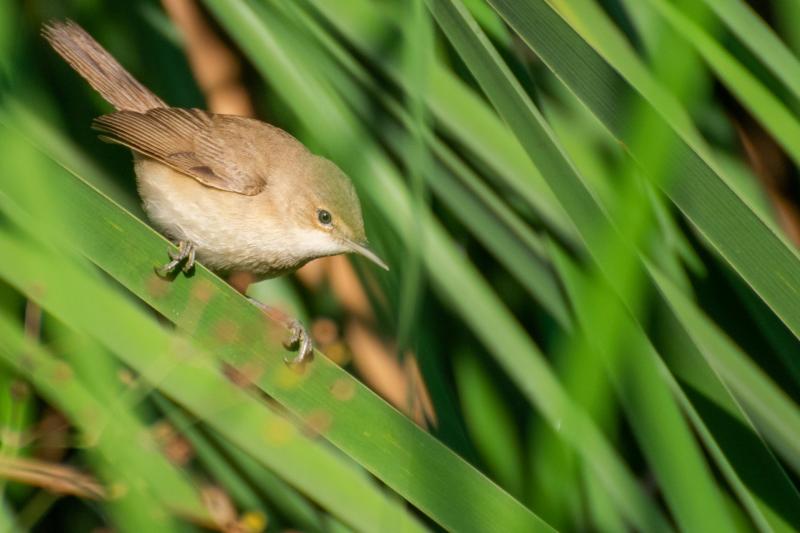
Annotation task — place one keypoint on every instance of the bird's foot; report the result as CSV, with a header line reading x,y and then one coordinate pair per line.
x,y
299,338
185,256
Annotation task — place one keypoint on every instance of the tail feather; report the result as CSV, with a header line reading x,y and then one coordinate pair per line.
x,y
99,68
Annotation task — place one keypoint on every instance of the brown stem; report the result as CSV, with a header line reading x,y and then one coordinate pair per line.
x,y
770,165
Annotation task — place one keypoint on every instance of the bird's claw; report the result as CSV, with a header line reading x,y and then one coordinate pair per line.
x,y
299,340
185,256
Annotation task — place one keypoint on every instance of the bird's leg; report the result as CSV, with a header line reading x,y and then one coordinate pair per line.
x,y
299,339
185,254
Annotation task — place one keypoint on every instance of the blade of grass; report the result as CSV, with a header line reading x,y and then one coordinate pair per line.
x,y
752,94
678,63
187,374
600,508
276,491
460,111
119,430
771,410
53,141
417,41
748,243
16,408
393,447
720,383
459,283
47,209
697,197
492,427
652,402
493,223
785,15
8,521
238,481
54,380
583,374
764,490
757,35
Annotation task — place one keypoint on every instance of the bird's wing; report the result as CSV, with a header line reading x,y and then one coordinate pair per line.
x,y
219,151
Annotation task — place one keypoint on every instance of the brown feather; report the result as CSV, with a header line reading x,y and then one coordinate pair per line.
x,y
226,152
99,68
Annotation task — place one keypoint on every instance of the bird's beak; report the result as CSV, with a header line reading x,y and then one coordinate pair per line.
x,y
362,249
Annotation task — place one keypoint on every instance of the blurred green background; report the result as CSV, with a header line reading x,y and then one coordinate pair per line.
x,y
591,322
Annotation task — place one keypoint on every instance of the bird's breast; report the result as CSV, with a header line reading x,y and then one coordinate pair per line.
x,y
231,232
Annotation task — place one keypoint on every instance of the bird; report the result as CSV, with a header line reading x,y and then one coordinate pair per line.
x,y
232,192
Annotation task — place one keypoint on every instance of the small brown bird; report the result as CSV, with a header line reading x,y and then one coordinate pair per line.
x,y
237,193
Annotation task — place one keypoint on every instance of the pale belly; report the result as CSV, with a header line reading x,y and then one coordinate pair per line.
x,y
231,232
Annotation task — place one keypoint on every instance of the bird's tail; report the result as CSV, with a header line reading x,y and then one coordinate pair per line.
x,y
99,68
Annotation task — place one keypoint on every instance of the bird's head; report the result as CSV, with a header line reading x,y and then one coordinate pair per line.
x,y
328,213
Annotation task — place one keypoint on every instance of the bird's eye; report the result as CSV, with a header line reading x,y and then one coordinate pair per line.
x,y
324,217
